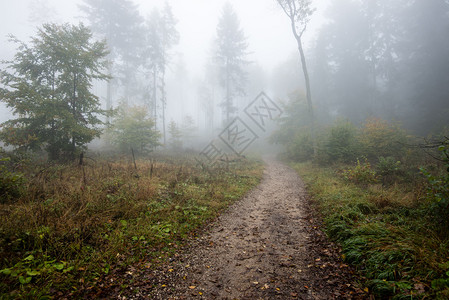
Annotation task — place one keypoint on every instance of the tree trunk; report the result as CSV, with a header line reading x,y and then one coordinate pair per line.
x,y
228,95
307,82
164,103
108,92
154,97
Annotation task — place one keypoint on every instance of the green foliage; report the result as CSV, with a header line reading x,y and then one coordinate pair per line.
x,y
300,148
188,131
379,138
10,182
362,173
294,131
133,128
175,139
48,86
32,269
388,166
340,143
438,190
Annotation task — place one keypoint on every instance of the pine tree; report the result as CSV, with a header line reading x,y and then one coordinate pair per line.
x,y
175,140
119,22
231,54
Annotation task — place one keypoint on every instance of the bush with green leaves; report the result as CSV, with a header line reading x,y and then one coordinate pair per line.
x,y
388,168
300,148
380,138
340,143
132,128
362,173
294,131
10,182
438,190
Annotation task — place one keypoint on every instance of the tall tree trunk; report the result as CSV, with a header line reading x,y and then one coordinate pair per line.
x,y
109,92
164,103
307,82
74,112
154,97
228,94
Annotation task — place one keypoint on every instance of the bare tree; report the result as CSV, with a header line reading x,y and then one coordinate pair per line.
x,y
299,13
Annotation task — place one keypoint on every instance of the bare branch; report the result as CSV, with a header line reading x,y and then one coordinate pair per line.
x,y
282,4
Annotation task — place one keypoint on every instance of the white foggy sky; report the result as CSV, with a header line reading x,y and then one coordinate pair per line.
x,y
264,23
267,29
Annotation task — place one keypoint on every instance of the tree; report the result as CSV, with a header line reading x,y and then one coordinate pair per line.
x,y
396,67
175,140
132,128
119,22
206,100
349,71
231,56
161,36
48,87
188,130
424,66
299,13
169,37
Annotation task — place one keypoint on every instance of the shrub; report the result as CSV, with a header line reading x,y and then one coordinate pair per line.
x,y
340,143
132,128
10,182
438,190
388,168
362,173
379,138
300,148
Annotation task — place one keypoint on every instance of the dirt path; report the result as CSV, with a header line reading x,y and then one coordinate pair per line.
x,y
266,246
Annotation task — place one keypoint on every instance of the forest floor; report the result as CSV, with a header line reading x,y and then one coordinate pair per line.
x,y
269,245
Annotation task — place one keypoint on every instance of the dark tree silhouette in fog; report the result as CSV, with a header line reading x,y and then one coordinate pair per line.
x,y
119,22
231,56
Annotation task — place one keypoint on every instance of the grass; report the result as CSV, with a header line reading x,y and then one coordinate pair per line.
x,y
73,224
386,232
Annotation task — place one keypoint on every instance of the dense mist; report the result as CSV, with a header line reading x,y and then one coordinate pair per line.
x,y
193,67
224,149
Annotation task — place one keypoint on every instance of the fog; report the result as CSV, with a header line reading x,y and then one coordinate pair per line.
x,y
365,59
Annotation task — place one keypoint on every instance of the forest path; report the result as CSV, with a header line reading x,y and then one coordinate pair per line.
x,y
266,246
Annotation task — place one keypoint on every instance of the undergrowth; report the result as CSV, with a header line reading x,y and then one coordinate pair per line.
x,y
384,230
70,225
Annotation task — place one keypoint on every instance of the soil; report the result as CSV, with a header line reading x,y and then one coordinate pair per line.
x,y
269,245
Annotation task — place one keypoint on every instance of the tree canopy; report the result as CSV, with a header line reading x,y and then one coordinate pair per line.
x,y
132,128
48,84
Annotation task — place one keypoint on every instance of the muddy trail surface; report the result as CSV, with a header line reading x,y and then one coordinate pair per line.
x,y
267,246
